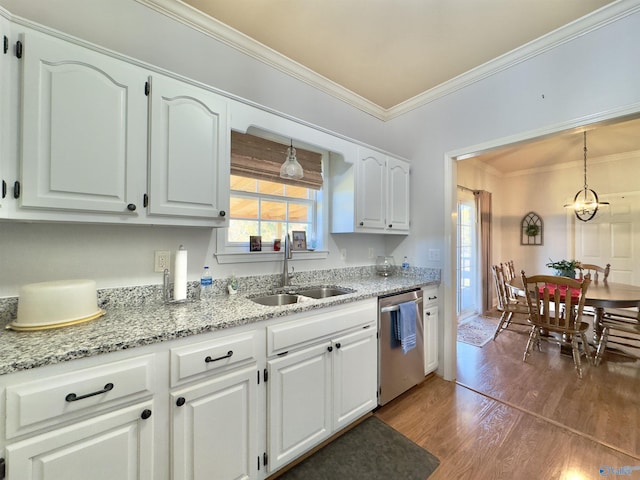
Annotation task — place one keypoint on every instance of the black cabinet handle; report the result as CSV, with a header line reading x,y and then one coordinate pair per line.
x,y
146,413
4,189
330,348
228,355
19,49
222,213
72,397
131,207
145,200
180,401
16,189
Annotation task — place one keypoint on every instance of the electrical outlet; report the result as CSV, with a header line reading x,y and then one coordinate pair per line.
x,y
434,254
162,260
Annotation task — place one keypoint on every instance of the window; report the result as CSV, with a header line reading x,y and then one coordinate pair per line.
x,y
269,209
262,203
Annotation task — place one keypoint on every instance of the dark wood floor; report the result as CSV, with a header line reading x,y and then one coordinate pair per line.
x,y
504,418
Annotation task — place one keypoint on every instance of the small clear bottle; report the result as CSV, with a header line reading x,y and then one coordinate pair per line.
x,y
405,266
206,282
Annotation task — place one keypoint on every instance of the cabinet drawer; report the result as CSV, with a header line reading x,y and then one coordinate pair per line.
x,y
430,296
316,327
211,355
38,404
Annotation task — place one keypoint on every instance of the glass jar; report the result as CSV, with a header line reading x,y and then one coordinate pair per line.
x,y
384,265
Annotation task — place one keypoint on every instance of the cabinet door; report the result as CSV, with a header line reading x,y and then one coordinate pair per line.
x,y
299,400
114,445
84,118
355,376
430,339
398,197
371,190
214,433
189,157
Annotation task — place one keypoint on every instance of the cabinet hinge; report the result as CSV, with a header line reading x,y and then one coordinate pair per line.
x,y
147,88
6,44
3,468
265,375
19,49
16,189
265,459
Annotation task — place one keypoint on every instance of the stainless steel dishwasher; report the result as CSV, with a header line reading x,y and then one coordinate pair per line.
x,y
398,372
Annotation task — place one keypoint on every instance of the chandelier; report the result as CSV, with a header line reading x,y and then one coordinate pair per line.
x,y
291,168
585,203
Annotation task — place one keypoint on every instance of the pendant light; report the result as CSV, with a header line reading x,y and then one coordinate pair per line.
x,y
291,168
585,203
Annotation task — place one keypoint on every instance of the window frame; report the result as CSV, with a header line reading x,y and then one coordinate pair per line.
x,y
234,252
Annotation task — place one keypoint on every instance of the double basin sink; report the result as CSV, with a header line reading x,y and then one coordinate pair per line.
x,y
294,294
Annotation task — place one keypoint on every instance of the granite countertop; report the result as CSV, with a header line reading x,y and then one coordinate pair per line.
x,y
132,325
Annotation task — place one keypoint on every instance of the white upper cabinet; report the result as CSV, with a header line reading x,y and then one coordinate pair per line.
x,y
371,196
83,128
189,145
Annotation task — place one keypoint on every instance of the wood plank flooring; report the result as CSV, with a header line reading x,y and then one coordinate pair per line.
x,y
505,418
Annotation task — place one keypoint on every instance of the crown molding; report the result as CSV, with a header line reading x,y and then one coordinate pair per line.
x,y
207,25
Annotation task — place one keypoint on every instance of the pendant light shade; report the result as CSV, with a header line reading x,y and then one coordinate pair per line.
x,y
585,203
291,168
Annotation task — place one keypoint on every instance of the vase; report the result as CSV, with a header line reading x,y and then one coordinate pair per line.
x,y
566,273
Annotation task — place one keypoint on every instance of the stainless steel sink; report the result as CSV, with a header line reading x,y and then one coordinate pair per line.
x,y
276,299
323,292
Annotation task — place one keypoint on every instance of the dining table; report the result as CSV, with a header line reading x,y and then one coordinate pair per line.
x,y
600,295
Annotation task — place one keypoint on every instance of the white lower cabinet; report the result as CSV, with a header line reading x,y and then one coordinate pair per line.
x,y
215,431
118,445
316,387
299,393
430,306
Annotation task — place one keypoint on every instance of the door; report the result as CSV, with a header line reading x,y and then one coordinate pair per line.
x,y
84,129
371,190
299,403
189,157
114,445
215,428
467,255
612,236
355,376
398,200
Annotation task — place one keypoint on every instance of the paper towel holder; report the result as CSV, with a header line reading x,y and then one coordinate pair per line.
x,y
167,291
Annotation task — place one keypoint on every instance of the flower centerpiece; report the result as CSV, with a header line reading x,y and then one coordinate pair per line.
x,y
564,268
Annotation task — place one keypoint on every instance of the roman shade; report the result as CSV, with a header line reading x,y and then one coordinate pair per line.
x,y
256,157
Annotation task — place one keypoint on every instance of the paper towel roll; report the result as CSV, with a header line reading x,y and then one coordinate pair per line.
x,y
180,275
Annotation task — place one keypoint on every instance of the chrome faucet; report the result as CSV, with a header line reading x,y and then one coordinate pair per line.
x,y
286,276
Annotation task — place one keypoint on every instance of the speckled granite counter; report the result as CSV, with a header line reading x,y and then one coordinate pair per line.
x,y
135,317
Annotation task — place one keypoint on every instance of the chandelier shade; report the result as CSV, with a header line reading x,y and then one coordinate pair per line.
x,y
585,203
291,168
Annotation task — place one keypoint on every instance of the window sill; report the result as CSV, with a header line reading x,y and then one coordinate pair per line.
x,y
251,257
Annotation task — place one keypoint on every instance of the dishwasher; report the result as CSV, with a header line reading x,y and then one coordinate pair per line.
x,y
397,371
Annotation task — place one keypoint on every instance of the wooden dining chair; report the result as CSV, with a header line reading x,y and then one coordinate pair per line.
x,y
555,306
621,331
594,270
508,302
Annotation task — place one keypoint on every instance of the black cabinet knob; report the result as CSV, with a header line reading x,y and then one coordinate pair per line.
x,y
362,224
146,413
338,345
180,401
131,207
222,213
390,226
330,348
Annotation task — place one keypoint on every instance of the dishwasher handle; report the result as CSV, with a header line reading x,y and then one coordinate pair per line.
x,y
395,308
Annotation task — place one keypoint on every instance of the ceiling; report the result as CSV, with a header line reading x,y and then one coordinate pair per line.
x,y
389,51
